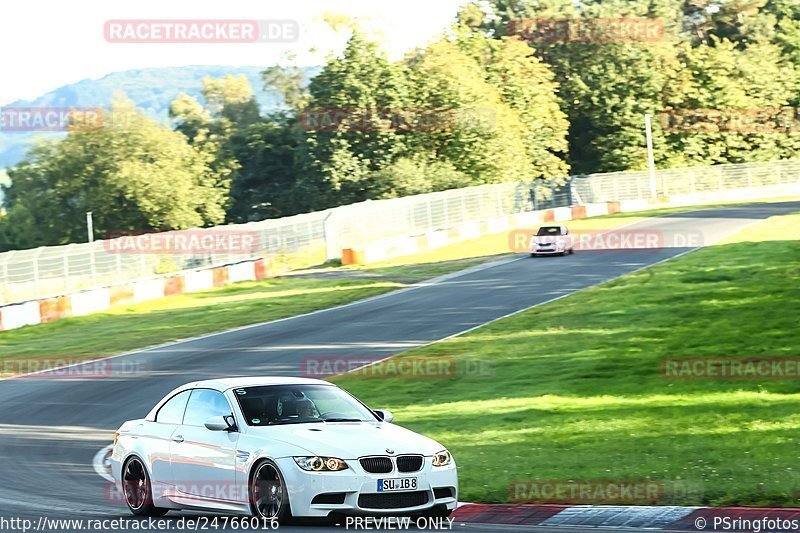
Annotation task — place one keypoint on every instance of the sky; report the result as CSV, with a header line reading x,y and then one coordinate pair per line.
x,y
45,44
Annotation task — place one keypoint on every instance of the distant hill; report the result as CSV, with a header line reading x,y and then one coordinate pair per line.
x,y
151,89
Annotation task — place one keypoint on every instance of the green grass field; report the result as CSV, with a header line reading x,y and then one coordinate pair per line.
x,y
574,390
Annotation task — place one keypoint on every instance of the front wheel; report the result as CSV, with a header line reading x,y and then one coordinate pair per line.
x,y
269,497
138,490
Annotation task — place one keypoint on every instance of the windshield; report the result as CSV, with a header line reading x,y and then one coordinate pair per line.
x,y
273,405
549,230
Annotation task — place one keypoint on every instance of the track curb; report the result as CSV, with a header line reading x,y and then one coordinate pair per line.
x,y
663,518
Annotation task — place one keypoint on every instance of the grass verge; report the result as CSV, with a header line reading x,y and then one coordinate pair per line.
x,y
574,389
126,328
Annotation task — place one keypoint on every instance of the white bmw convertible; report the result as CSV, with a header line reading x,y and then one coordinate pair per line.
x,y
275,448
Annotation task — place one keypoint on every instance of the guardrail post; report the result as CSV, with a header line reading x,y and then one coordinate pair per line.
x,y
91,262
35,262
333,250
6,282
569,190
65,267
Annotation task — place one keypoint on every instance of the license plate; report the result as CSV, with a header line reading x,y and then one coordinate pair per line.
x,y
397,484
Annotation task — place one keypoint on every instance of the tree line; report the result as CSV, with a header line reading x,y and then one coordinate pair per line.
x,y
483,103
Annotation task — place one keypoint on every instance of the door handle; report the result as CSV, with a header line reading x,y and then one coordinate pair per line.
x,y
178,438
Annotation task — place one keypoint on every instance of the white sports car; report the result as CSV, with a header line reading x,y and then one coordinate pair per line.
x,y
275,448
552,240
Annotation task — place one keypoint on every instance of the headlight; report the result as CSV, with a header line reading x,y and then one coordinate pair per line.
x,y
442,458
320,464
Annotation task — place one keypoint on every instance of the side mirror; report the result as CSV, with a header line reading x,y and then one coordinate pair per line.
x,y
384,415
220,423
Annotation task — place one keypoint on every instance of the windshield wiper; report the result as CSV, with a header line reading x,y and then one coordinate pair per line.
x,y
294,422
342,420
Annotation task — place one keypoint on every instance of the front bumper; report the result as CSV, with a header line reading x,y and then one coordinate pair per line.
x,y
355,482
548,251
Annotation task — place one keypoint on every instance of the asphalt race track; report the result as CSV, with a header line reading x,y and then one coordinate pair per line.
x,y
50,429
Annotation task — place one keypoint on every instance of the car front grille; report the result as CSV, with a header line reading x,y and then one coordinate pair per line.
x,y
393,500
409,463
376,465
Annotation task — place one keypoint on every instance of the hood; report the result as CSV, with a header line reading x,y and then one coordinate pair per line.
x,y
349,440
548,239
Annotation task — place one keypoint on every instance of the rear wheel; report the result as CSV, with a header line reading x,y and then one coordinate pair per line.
x,y
137,489
269,497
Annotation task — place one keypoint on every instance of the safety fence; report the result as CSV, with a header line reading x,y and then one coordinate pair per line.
x,y
313,238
